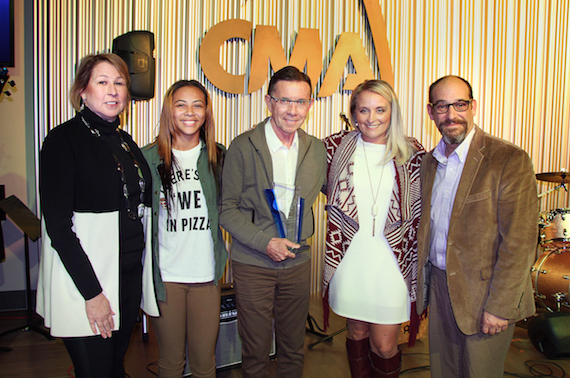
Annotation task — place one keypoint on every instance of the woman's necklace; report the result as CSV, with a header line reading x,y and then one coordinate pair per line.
x,y
120,169
374,196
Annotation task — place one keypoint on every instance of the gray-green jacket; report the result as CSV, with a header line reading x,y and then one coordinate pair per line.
x,y
245,214
212,195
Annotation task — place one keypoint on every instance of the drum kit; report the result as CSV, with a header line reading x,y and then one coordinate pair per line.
x,y
551,272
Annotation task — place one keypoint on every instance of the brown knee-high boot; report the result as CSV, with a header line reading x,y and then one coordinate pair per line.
x,y
358,351
386,367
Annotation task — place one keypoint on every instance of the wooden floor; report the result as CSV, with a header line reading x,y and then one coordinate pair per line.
x,y
34,356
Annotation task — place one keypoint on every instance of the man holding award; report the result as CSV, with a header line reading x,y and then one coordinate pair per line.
x,y
272,175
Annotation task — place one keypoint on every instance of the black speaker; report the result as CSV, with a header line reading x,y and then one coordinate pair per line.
x,y
136,49
550,333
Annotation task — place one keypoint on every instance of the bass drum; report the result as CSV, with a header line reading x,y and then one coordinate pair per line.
x,y
554,227
551,280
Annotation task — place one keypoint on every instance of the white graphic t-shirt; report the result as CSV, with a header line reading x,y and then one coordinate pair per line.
x,y
186,245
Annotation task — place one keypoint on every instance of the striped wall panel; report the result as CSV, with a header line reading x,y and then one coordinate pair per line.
x,y
515,53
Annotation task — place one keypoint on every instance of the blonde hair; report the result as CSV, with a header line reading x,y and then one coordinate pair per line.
x,y
398,147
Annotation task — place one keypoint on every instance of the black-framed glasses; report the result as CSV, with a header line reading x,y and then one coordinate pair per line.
x,y
287,102
460,106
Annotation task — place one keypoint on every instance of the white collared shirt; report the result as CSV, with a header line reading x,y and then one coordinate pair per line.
x,y
284,162
446,182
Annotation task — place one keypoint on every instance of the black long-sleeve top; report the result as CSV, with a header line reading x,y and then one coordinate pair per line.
x,y
79,174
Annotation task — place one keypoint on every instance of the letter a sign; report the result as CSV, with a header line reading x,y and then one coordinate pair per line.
x,y
306,52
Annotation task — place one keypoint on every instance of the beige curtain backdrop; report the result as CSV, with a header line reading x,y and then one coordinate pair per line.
x,y
515,53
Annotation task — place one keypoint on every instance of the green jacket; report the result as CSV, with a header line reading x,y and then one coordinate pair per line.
x,y
212,195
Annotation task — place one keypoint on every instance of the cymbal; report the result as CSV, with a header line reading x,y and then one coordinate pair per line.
x,y
560,177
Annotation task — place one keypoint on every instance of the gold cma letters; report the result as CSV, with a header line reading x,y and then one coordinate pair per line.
x,y
306,51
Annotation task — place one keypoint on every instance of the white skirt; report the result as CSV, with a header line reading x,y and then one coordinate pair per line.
x,y
368,284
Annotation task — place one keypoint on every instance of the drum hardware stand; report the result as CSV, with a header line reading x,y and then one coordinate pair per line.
x,y
563,185
554,249
533,269
554,241
558,297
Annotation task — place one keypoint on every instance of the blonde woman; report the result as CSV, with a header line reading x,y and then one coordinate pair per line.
x,y
373,194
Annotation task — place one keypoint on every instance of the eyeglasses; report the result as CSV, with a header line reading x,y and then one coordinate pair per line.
x,y
459,106
287,102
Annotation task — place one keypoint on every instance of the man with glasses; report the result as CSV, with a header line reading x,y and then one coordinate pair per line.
x,y
278,164
476,239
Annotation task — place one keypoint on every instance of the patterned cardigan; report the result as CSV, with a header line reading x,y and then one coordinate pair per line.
x,y
402,220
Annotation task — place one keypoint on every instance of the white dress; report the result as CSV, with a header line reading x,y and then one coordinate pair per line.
x,y
368,284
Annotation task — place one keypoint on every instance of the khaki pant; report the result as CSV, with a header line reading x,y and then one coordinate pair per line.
x,y
189,316
262,295
454,354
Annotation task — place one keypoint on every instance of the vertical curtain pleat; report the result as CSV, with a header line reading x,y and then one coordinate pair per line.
x,y
515,54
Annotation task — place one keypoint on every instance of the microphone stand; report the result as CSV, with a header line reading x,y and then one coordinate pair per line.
x,y
310,320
